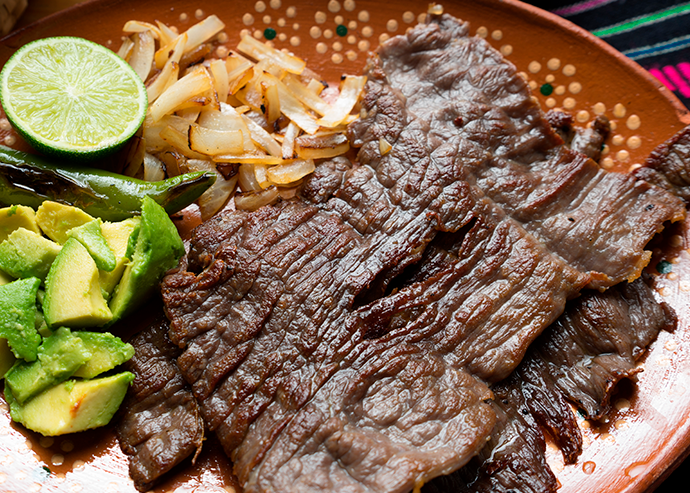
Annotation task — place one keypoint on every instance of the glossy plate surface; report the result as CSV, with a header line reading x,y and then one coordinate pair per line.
x,y
648,430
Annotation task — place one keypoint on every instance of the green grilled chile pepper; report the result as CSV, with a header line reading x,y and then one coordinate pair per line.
x,y
29,180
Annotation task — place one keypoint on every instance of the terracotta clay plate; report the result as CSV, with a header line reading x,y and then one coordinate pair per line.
x,y
648,430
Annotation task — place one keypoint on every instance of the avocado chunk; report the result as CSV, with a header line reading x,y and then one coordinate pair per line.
x,y
59,356
57,219
118,237
5,278
15,217
7,358
90,235
158,249
72,406
27,254
18,317
73,293
107,352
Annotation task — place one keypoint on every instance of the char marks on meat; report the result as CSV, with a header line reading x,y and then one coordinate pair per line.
x,y
578,360
470,98
343,344
160,425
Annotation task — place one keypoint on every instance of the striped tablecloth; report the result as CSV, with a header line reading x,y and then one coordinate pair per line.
x,y
654,33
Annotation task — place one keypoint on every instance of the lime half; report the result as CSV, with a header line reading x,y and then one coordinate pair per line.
x,y
72,98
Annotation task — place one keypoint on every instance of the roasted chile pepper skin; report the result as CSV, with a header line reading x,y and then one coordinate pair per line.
x,y
29,180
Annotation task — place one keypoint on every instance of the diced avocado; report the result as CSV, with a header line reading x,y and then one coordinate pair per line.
x,y
18,317
57,219
72,406
132,243
89,234
59,356
118,236
41,325
5,278
73,293
15,217
107,352
158,249
27,254
7,358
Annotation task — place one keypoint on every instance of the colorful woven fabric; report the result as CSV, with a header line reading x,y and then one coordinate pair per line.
x,y
654,33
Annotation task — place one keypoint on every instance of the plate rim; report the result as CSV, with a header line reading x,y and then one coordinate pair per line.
x,y
681,448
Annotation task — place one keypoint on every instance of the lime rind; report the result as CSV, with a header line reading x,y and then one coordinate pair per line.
x,y
72,98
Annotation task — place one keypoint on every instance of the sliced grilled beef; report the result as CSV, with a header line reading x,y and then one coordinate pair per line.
x,y
300,398
669,165
588,141
469,97
161,425
322,356
577,361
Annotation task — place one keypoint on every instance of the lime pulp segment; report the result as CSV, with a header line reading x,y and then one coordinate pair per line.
x,y
70,94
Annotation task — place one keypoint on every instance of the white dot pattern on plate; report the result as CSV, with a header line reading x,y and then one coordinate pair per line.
x,y
334,6
634,142
553,64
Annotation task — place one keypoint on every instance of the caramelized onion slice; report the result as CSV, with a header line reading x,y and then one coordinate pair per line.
x,y
259,51
213,199
350,91
181,94
251,201
321,146
213,142
290,171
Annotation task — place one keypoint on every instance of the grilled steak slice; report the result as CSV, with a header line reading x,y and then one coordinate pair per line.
x,y
588,141
299,397
316,368
669,165
464,91
579,359
161,425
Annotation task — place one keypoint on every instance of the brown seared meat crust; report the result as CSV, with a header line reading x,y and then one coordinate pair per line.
x,y
160,425
577,361
472,99
668,166
343,344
